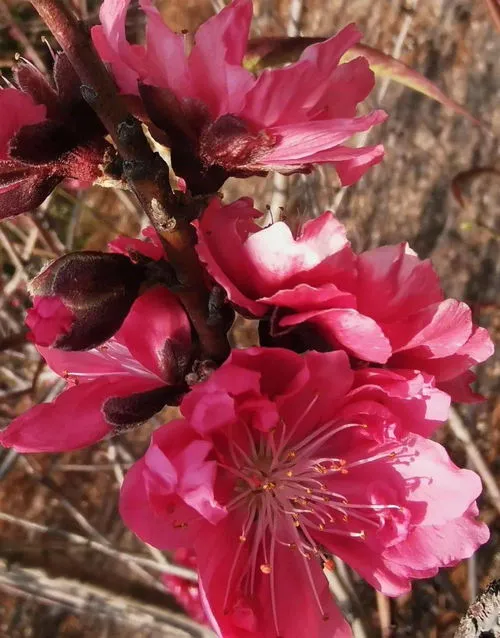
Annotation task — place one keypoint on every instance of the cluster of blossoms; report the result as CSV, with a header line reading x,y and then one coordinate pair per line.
x,y
314,445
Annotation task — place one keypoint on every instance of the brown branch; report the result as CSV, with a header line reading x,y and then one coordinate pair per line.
x,y
145,171
88,600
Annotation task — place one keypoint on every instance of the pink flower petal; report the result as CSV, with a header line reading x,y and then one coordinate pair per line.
x,y
438,330
219,231
393,282
48,320
412,397
459,388
233,614
476,349
279,259
73,420
304,142
165,58
361,159
17,109
197,479
345,327
310,403
270,259
279,94
111,43
164,527
433,478
431,547
165,334
215,61
151,247
209,412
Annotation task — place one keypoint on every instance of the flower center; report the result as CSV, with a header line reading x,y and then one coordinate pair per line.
x,y
286,493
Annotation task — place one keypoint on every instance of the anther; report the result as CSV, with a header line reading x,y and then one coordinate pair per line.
x,y
289,473
291,455
329,565
265,568
243,539
179,525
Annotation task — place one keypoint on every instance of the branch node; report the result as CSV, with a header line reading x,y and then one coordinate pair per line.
x,y
130,131
89,94
165,223
136,170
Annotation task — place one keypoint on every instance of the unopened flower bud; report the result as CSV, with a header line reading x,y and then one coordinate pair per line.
x,y
48,320
97,288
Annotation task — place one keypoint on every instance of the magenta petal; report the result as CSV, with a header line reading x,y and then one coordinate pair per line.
x,y
475,350
279,95
313,401
94,364
433,478
459,388
312,298
17,109
278,258
360,160
393,281
48,320
438,330
304,142
197,479
210,411
72,421
111,43
222,561
221,230
167,327
412,396
431,547
165,63
218,78
164,527
359,335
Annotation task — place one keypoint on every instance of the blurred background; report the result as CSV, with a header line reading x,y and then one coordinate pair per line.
x,y
68,567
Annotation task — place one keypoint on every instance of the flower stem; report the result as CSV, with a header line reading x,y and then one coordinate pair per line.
x,y
145,171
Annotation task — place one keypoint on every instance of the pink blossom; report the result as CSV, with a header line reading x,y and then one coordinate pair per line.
x,y
218,115
48,320
282,461
114,386
383,306
48,134
187,593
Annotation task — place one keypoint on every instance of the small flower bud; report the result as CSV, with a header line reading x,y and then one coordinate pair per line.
x,y
48,320
97,288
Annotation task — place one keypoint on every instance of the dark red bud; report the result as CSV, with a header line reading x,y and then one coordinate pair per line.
x,y
98,288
